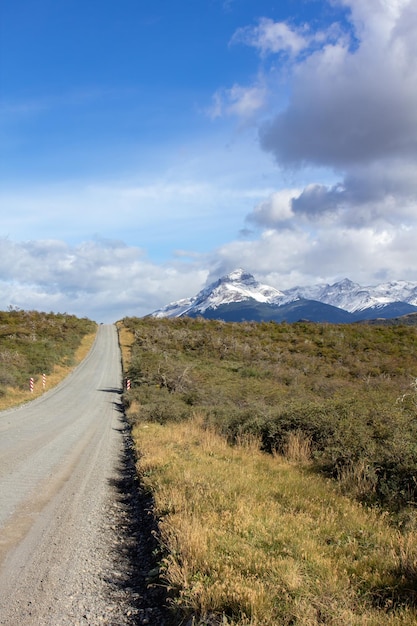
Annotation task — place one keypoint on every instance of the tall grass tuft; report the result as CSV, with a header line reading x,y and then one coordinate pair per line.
x,y
297,448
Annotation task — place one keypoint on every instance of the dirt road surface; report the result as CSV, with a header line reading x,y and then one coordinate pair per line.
x,y
69,546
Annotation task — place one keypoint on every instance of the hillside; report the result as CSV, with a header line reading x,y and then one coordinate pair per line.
x,y
34,343
325,405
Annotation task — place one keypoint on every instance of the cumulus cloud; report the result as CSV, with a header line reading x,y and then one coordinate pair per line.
x,y
103,279
280,250
107,280
364,198
352,105
350,113
275,211
302,256
350,118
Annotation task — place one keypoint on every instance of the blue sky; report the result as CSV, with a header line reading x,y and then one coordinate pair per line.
x,y
149,146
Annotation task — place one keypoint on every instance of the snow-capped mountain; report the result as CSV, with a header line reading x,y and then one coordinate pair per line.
x,y
239,296
238,286
352,297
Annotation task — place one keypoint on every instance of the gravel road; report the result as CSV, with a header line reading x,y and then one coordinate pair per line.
x,y
76,537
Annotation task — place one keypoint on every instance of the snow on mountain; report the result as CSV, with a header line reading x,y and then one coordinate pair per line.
x,y
312,292
174,309
240,286
349,296
352,297
236,287
400,291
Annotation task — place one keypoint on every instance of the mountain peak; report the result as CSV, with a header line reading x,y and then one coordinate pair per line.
x,y
240,288
237,286
346,283
238,275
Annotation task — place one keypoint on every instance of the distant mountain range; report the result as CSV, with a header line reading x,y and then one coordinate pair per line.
x,y
238,297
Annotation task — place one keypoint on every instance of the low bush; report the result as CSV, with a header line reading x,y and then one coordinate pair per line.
x,y
32,343
348,390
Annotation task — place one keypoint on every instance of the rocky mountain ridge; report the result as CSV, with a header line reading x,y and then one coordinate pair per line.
x,y
239,296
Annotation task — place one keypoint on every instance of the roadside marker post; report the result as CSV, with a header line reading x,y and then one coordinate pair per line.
x,y
43,381
127,383
31,382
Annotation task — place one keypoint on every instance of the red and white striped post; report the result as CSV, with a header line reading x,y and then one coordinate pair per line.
x,y
31,382
127,383
43,381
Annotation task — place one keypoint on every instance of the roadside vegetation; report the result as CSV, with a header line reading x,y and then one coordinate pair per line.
x,y
283,464
33,344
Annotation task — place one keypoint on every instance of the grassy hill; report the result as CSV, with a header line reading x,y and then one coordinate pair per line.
x,y
34,343
283,462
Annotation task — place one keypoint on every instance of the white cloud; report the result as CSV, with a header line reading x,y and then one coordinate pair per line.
x,y
244,102
286,258
349,105
105,280
378,18
272,37
381,195
351,113
275,211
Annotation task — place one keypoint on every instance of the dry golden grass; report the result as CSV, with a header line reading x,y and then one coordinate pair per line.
x,y
297,448
254,539
15,396
126,340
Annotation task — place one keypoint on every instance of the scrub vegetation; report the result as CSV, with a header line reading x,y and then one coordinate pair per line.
x,y
32,344
282,459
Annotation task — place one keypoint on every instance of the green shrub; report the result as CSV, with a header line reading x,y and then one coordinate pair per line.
x,y
349,390
31,343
